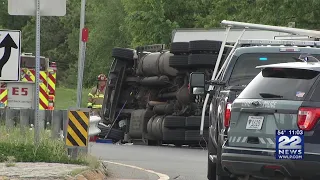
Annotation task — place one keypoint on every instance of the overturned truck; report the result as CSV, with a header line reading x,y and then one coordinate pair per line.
x,y
148,99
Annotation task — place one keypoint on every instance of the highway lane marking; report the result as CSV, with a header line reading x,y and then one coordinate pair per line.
x,y
160,175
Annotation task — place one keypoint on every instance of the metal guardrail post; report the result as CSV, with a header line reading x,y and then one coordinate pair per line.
x,y
9,118
65,126
24,120
42,119
48,119
56,123
2,116
65,123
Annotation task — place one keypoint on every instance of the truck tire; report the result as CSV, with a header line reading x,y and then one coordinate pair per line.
x,y
170,135
178,61
157,126
202,60
179,48
123,53
194,135
138,122
195,121
115,134
174,122
204,46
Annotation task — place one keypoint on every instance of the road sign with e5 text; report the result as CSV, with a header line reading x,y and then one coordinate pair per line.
x,y
290,144
10,55
77,131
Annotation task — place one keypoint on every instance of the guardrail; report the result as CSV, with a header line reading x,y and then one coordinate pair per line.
x,y
57,121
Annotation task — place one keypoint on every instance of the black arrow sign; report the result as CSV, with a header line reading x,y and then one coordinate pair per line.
x,y
7,43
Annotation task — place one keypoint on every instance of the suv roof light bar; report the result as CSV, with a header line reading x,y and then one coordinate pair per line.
x,y
295,37
278,42
290,30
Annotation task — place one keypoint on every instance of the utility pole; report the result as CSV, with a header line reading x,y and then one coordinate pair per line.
x,y
83,37
82,53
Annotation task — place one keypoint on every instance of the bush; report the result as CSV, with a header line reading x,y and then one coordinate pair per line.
x,y
21,146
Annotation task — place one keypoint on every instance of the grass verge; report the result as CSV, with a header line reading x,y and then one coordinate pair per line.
x,y
19,146
66,98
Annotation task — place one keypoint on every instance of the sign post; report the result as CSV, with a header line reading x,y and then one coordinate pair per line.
x,y
33,8
83,37
37,115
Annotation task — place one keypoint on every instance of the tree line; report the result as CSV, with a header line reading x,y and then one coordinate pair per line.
x,y
130,23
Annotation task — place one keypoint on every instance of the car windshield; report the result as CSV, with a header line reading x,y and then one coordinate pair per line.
x,y
280,83
245,67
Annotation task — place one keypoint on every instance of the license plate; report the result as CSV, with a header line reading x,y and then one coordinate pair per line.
x,y
254,122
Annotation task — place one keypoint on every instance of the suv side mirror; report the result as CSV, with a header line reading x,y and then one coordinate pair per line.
x,y
197,83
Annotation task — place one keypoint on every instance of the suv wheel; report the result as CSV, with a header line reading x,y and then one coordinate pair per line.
x,y
211,171
215,171
220,173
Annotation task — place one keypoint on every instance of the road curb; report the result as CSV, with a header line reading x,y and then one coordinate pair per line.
x,y
160,175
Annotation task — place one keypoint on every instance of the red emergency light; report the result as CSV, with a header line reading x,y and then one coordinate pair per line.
x,y
85,34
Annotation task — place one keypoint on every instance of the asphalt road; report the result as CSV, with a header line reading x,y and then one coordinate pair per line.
x,y
177,163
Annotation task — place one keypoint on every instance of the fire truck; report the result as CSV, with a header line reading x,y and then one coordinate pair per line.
x,y
20,94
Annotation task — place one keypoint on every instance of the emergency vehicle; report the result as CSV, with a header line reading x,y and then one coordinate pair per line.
x,y
20,94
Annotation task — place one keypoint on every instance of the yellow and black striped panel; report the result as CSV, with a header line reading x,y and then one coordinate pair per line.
x,y
77,131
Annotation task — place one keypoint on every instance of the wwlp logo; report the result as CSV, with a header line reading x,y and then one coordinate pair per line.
x,y
289,144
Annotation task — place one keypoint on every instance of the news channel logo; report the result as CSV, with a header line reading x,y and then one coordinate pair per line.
x,y
290,144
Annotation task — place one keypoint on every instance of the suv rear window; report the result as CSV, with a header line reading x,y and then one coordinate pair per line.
x,y
280,83
245,68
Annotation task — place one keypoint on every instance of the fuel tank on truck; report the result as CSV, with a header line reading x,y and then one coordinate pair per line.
x,y
155,64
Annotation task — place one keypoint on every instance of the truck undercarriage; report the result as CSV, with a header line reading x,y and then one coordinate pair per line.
x,y
148,99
